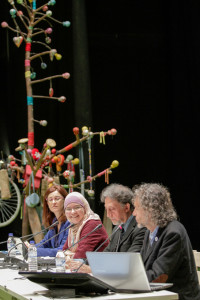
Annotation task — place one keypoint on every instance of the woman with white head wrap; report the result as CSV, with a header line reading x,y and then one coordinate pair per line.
x,y
78,212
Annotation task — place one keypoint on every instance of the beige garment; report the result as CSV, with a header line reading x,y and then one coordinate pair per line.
x,y
4,185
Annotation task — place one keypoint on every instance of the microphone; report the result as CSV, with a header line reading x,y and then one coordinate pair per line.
x,y
30,236
93,230
85,261
71,225
96,228
119,227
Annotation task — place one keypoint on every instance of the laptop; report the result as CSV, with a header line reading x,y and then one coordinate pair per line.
x,y
122,270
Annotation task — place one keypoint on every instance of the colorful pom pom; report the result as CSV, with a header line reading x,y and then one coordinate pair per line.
x,y
48,30
43,65
114,164
49,13
62,99
66,23
4,24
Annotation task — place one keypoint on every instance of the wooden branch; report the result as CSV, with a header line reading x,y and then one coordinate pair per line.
x,y
45,79
39,54
41,43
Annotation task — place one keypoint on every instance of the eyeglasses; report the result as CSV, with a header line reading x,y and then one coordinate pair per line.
x,y
56,199
74,208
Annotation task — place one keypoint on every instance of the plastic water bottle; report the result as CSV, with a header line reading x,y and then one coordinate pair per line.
x,y
11,245
32,257
60,261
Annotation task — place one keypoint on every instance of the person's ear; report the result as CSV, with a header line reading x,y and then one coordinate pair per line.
x,y
127,207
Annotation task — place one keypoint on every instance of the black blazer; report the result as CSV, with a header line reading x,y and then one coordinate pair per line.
x,y
171,254
132,239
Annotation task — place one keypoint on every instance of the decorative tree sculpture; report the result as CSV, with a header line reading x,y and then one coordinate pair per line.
x,y
31,20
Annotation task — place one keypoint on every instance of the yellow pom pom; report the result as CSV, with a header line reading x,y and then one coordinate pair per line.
x,y
75,161
58,56
114,164
84,130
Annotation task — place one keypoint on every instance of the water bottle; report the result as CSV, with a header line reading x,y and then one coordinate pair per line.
x,y
32,257
11,245
60,261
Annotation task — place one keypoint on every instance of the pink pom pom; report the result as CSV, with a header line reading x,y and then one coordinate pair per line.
x,y
19,13
48,30
4,24
45,8
66,75
89,178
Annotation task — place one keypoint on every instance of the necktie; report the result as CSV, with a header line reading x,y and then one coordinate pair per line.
x,y
120,236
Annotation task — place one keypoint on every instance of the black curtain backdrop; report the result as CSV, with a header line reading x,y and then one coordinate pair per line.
x,y
143,80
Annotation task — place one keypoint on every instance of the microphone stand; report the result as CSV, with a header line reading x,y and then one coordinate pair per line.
x,y
97,227
86,260
33,234
71,225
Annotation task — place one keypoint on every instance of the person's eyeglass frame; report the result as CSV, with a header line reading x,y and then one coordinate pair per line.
x,y
76,208
56,199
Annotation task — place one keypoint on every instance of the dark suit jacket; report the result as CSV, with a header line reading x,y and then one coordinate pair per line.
x,y
171,254
132,239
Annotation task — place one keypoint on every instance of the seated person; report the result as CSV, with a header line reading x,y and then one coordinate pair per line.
x,y
78,212
117,199
167,252
53,210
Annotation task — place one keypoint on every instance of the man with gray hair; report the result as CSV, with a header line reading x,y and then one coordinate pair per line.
x,y
126,236
166,252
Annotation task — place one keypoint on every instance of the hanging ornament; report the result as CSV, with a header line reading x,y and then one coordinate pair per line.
x,y
48,40
33,75
51,92
43,65
18,40
90,193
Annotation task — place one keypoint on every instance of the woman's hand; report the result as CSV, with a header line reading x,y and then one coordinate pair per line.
x,y
27,244
73,266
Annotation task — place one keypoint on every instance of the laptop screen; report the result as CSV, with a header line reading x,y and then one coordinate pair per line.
x,y
122,270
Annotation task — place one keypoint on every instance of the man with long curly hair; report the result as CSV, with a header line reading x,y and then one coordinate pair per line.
x,y
166,252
